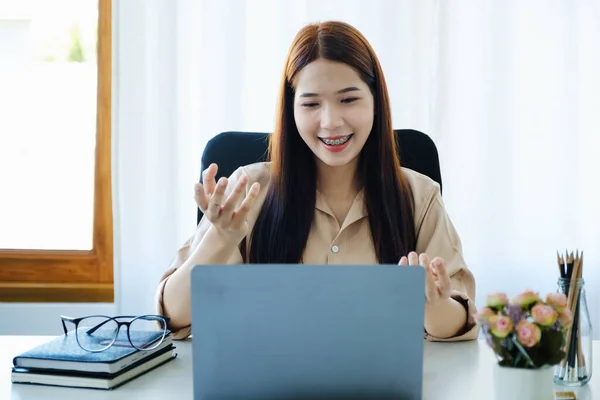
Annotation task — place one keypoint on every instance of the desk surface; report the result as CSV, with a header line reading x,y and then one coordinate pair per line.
x,y
452,371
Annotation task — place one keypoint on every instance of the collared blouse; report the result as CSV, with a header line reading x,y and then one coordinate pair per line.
x,y
351,243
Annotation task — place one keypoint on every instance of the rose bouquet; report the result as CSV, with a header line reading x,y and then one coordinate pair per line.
x,y
526,332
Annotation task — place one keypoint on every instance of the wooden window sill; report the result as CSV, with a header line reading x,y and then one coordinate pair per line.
x,y
31,292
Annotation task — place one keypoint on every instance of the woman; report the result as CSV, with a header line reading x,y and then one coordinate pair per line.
x,y
333,191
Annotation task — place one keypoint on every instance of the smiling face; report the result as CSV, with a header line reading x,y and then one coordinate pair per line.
x,y
333,111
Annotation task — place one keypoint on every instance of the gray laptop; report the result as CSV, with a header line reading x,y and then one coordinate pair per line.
x,y
295,332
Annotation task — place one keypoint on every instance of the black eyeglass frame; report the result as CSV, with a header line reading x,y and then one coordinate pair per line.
x,y
133,318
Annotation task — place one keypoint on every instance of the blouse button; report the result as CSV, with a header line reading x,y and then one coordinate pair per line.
x,y
335,249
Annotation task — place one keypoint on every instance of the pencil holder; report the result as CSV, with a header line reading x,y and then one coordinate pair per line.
x,y
576,368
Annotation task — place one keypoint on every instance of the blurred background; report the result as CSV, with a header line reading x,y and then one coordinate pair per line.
x,y
509,92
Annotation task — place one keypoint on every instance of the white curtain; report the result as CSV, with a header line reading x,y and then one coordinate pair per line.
x,y
509,91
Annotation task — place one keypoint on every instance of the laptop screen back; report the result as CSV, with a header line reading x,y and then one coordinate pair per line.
x,y
307,331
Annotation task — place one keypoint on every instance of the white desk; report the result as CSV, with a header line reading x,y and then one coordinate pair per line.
x,y
453,371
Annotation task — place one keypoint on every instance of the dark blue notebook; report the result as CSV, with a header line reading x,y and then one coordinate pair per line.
x,y
92,380
63,353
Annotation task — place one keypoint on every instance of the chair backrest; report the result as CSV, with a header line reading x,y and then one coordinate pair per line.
x,y
231,150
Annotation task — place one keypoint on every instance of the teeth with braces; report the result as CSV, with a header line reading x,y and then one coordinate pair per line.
x,y
336,142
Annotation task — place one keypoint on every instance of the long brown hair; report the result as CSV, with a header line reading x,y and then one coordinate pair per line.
x,y
283,225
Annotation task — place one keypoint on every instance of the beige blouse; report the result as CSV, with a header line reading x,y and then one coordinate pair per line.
x,y
328,243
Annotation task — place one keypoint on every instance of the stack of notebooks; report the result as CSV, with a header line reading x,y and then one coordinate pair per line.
x,y
61,362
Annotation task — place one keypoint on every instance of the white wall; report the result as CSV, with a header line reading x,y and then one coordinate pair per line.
x,y
44,319
146,150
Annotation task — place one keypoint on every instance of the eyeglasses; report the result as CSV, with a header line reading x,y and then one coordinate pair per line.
x,y
96,333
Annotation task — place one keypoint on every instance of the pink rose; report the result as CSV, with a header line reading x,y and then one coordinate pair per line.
x,y
544,315
566,318
556,300
500,326
484,314
525,299
528,334
496,300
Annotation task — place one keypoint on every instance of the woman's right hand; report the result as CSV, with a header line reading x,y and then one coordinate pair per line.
x,y
229,220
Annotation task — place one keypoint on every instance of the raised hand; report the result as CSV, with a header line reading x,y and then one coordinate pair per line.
x,y
437,281
226,217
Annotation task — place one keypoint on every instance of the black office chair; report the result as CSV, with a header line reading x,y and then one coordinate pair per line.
x,y
231,150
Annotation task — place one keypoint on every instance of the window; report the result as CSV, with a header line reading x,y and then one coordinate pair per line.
x,y
56,239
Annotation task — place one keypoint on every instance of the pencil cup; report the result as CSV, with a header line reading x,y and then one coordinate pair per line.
x,y
576,368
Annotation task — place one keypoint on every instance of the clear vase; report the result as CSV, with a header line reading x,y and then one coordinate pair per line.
x,y
576,368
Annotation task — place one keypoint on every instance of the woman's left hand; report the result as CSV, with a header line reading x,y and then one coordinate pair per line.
x,y
444,316
437,281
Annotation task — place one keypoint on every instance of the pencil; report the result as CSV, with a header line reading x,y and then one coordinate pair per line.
x,y
573,334
561,266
